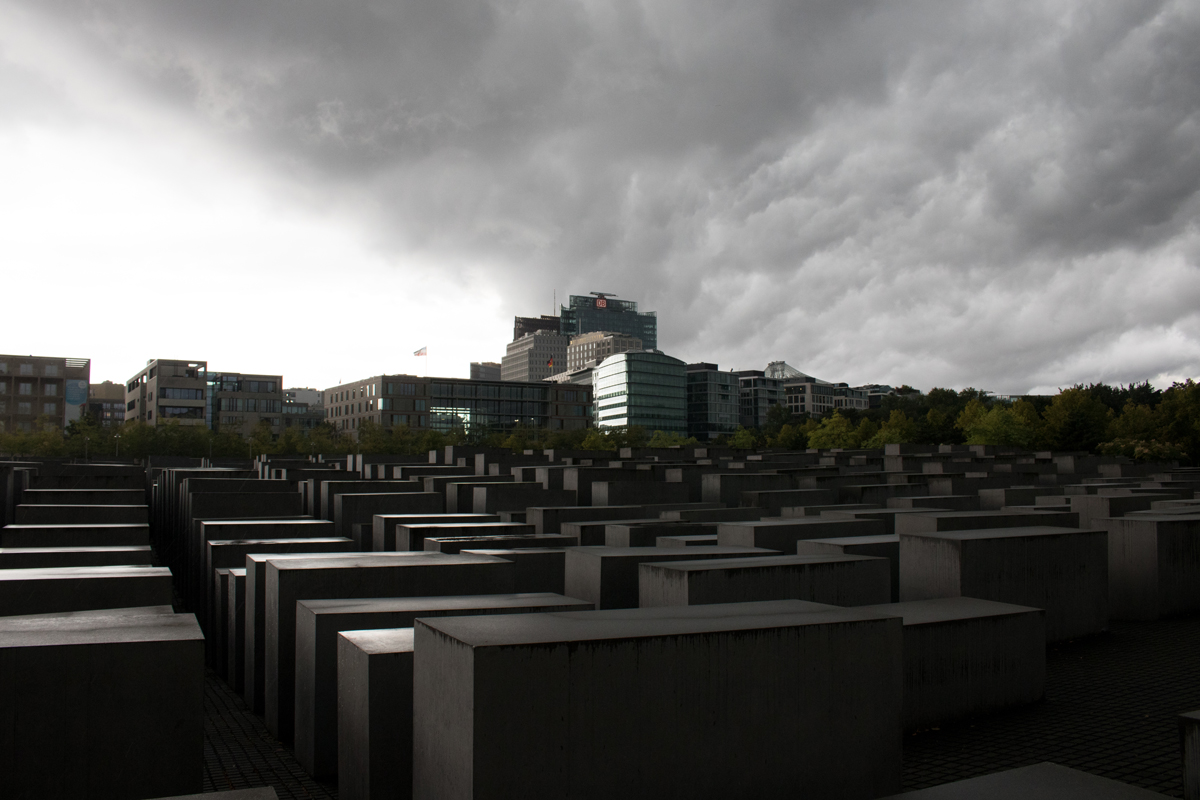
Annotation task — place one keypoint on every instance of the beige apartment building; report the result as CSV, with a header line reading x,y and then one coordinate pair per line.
x,y
589,349
47,388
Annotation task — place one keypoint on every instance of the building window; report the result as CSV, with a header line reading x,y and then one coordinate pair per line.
x,y
173,393
25,388
49,408
181,412
3,367
51,371
50,390
27,369
25,408
3,407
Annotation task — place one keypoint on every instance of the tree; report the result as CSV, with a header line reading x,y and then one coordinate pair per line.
x,y
663,439
743,439
834,431
899,429
1076,421
790,437
778,415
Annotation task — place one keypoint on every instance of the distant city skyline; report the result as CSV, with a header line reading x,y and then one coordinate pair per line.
x,y
935,194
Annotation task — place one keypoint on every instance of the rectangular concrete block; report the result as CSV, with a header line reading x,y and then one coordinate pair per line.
x,y
1061,570
106,704
839,580
646,534
878,546
51,591
715,514
1039,782
235,630
962,502
594,533
964,657
547,705
934,521
456,544
886,516
100,535
1153,566
639,493
694,540
411,537
496,497
331,489
782,534
607,577
549,519
81,514
367,575
1189,740
85,497
362,507
60,557
375,705
318,623
536,569
727,487
383,526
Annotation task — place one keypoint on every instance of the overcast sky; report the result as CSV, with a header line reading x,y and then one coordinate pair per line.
x,y
992,194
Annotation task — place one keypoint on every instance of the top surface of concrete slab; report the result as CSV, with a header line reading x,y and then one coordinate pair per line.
x,y
947,609
97,627
658,553
636,623
449,603
384,640
75,573
1038,782
887,538
339,561
704,565
1001,533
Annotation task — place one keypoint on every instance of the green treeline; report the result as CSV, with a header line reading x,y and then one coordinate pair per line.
x,y
1137,421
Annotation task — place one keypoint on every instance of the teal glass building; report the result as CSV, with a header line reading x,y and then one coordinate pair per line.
x,y
641,388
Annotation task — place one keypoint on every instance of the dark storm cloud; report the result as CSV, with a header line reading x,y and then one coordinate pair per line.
x,y
1002,193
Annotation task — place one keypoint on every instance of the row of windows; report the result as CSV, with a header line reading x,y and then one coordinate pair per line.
x,y
26,388
489,391
254,387
181,412
388,404
251,404
27,408
48,370
177,393
400,388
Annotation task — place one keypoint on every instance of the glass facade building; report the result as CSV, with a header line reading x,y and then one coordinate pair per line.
x,y
712,401
602,313
641,388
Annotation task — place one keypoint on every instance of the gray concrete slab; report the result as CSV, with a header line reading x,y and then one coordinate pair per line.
x,y
782,534
878,546
964,657
1062,570
361,507
961,502
235,629
549,519
84,497
456,544
1094,507
1038,782
715,514
1153,565
727,487
82,514
549,705
460,492
800,512
496,497
1189,739
887,516
411,537
383,526
536,569
646,534
366,575
50,591
608,576
101,704
262,793
101,535
318,623
60,557
638,493
693,540
840,580
375,704
931,522
331,489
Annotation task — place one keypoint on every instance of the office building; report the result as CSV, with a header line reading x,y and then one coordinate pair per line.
x,y
302,408
589,349
712,401
604,312
757,392
240,402
52,390
807,396
486,370
106,403
642,388
535,357
446,404
523,326
168,389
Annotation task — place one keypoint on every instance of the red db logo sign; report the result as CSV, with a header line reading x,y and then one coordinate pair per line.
x,y
601,302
